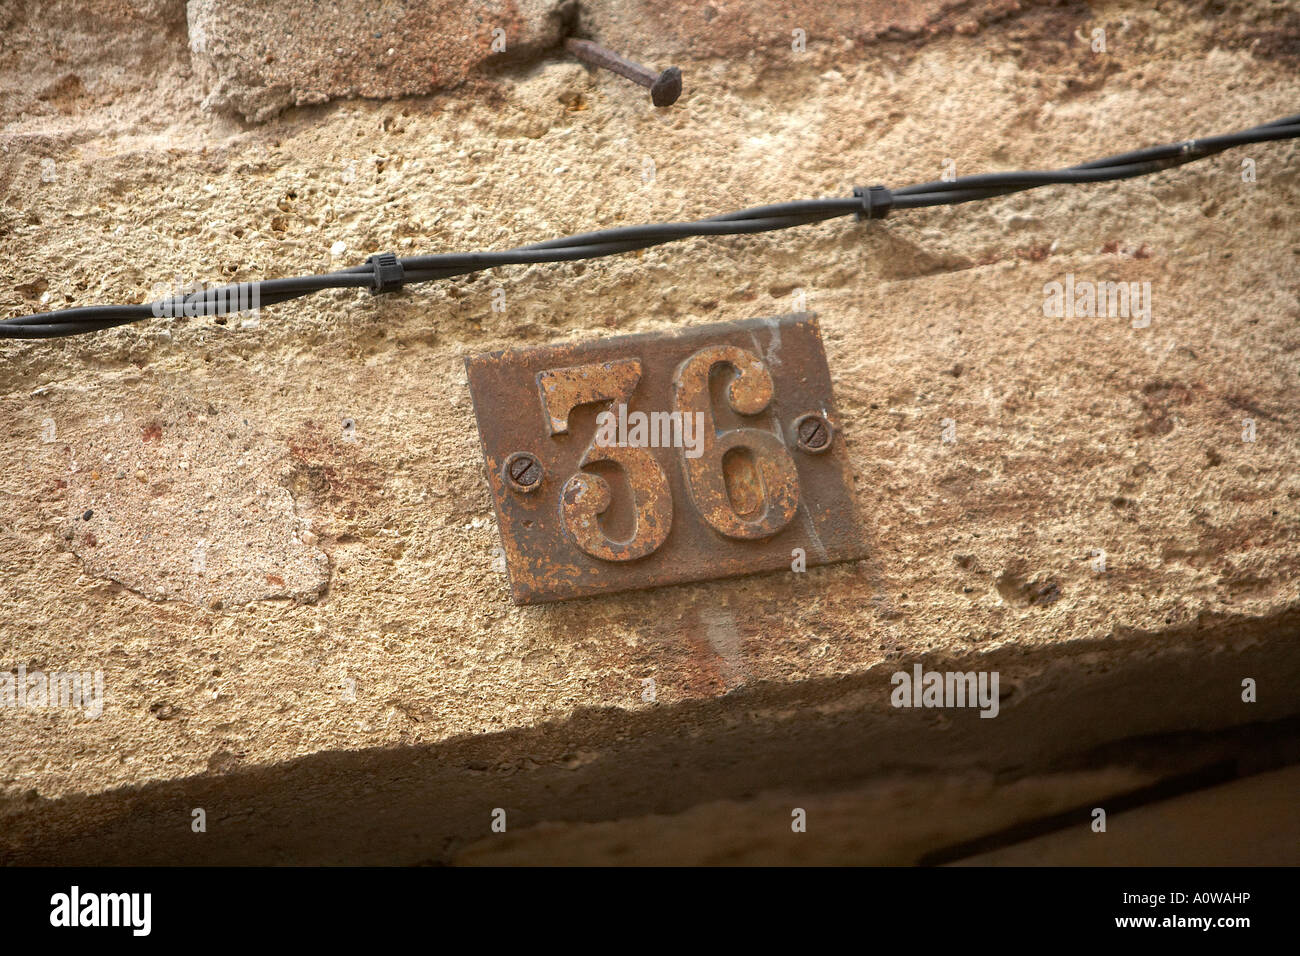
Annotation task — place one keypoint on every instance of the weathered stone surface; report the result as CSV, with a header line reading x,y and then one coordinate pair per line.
x,y
770,30
65,57
1251,822
256,58
189,502
385,720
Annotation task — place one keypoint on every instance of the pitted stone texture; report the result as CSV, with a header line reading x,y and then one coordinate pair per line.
x,y
257,58
416,673
776,29
184,503
60,58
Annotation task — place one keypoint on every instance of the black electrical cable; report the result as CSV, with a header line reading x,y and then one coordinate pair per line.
x,y
388,273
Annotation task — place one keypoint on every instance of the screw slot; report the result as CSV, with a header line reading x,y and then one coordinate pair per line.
x,y
523,472
813,433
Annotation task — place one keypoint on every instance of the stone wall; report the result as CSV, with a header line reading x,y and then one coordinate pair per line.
x,y
274,538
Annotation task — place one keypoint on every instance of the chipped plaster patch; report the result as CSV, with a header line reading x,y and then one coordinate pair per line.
x,y
184,503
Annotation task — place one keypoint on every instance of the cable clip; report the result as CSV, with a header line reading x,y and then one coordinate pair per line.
x,y
876,202
389,274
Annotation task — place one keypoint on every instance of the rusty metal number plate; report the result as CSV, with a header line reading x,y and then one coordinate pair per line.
x,y
643,460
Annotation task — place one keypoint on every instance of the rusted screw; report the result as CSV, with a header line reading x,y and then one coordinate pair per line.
x,y
664,87
813,433
523,472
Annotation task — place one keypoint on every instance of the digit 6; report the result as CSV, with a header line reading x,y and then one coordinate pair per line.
x,y
749,393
